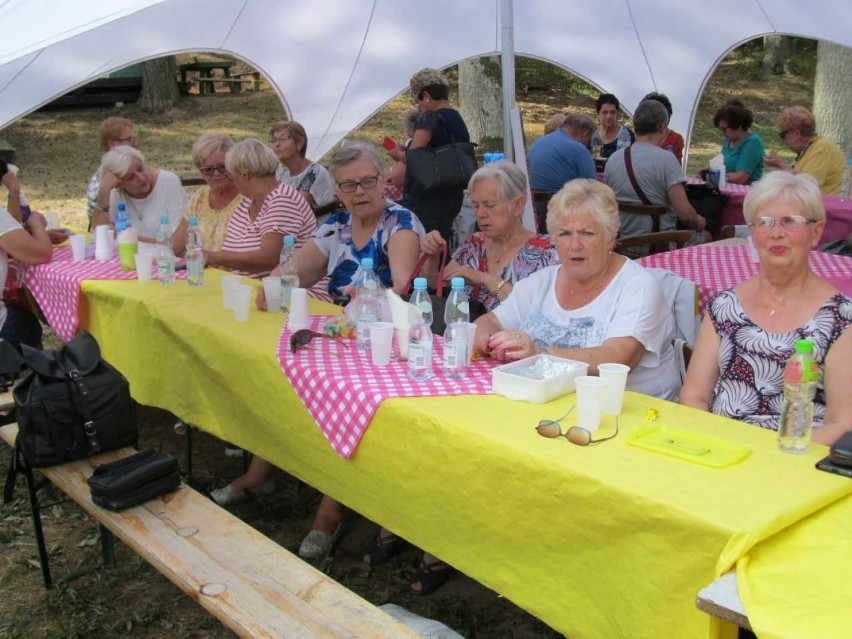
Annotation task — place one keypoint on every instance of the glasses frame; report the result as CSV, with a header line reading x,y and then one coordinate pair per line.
x,y
303,337
350,186
577,435
787,222
215,168
274,139
783,134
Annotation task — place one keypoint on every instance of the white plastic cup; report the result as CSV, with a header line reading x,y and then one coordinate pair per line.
x,y
272,293
144,261
103,243
471,337
613,392
229,283
242,301
589,396
381,338
52,219
298,318
78,247
401,336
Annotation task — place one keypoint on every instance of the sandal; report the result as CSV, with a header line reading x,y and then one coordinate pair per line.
x,y
430,576
383,548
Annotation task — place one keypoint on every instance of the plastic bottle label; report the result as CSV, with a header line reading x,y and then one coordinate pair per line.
x,y
418,355
453,353
425,307
464,308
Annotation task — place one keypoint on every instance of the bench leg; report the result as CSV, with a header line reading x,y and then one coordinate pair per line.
x,y
107,546
35,509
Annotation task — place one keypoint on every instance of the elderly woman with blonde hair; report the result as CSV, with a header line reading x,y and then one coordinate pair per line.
x,y
595,307
214,203
749,332
815,155
146,192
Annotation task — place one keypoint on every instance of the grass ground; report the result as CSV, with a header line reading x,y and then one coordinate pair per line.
x,y
57,151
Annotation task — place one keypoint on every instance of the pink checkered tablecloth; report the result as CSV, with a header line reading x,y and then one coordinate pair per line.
x,y
717,268
56,286
343,392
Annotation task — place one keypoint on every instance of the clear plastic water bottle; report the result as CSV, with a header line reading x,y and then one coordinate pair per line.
x,y
801,375
456,318
289,271
420,332
25,208
122,218
844,187
194,253
165,254
366,303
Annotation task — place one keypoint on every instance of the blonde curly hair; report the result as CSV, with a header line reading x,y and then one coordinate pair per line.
x,y
430,80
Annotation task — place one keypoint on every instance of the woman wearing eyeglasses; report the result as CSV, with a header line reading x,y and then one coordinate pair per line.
x,y
145,191
749,332
112,132
815,155
214,203
289,141
742,149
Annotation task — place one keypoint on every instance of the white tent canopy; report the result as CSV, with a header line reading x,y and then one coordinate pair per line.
x,y
335,62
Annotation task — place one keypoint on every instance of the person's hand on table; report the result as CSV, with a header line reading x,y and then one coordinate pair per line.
x,y
57,236
775,160
511,345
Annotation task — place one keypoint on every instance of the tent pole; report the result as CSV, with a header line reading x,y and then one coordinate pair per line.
x,y
507,56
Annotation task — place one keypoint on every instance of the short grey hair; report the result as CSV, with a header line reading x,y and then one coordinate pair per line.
x,y
353,152
512,181
583,198
251,157
580,122
650,117
554,122
208,144
119,161
798,189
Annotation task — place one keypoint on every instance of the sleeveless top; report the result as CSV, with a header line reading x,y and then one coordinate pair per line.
x,y
751,360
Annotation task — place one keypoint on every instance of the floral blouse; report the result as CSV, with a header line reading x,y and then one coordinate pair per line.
x,y
213,222
537,253
751,360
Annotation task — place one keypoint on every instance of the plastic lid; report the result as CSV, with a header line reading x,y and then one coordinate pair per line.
x,y
804,346
289,240
164,218
366,262
122,206
193,220
419,283
457,283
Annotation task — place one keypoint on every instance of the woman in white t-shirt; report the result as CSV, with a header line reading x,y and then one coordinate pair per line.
x,y
289,141
595,307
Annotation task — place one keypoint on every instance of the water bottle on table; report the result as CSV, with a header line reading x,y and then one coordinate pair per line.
x,y
801,375
420,332
165,254
366,302
122,218
289,272
194,253
456,318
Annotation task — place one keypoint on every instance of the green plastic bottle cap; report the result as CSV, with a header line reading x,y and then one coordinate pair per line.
x,y
804,346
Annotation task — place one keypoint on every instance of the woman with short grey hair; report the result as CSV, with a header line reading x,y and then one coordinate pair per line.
x,y
146,193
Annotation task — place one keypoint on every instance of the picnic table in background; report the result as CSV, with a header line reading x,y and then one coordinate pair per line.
x,y
207,76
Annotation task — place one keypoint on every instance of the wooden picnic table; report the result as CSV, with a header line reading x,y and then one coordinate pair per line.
x,y
207,76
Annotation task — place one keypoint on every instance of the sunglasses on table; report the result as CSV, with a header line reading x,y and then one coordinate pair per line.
x,y
577,435
787,222
303,337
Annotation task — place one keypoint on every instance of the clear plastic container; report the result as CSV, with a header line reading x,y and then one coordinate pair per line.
x,y
510,381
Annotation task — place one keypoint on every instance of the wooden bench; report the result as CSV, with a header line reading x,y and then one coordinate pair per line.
x,y
247,581
721,599
207,85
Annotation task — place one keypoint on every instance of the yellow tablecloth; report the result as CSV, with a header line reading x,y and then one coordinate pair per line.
x,y
604,541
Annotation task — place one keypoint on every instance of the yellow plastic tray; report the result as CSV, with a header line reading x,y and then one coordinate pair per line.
x,y
689,446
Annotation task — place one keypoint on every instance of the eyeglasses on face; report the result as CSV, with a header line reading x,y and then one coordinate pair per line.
x,y
577,435
280,138
303,337
788,222
130,140
213,168
366,183
783,134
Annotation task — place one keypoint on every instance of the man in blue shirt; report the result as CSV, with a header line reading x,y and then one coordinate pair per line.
x,y
559,157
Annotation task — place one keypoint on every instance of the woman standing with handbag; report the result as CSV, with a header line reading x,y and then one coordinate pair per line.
x,y
439,124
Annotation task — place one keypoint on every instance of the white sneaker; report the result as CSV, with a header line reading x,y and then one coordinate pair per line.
x,y
229,495
180,428
233,452
318,544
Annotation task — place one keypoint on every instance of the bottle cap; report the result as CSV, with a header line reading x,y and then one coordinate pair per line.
x,y
419,283
193,220
366,262
804,346
457,283
164,218
289,240
122,206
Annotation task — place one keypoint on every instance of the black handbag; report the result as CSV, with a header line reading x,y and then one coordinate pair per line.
x,y
708,201
73,405
134,479
449,166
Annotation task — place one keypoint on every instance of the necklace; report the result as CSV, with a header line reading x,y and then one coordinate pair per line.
x,y
499,254
592,292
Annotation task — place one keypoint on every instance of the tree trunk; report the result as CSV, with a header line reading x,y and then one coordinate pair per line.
x,y
481,100
776,55
159,85
833,94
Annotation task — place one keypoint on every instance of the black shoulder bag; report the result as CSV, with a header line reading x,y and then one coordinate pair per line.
x,y
442,167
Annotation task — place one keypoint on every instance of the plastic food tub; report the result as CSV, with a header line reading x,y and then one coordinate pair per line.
x,y
506,380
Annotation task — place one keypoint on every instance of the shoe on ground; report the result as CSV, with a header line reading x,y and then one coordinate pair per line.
x,y
229,495
318,544
180,428
233,452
